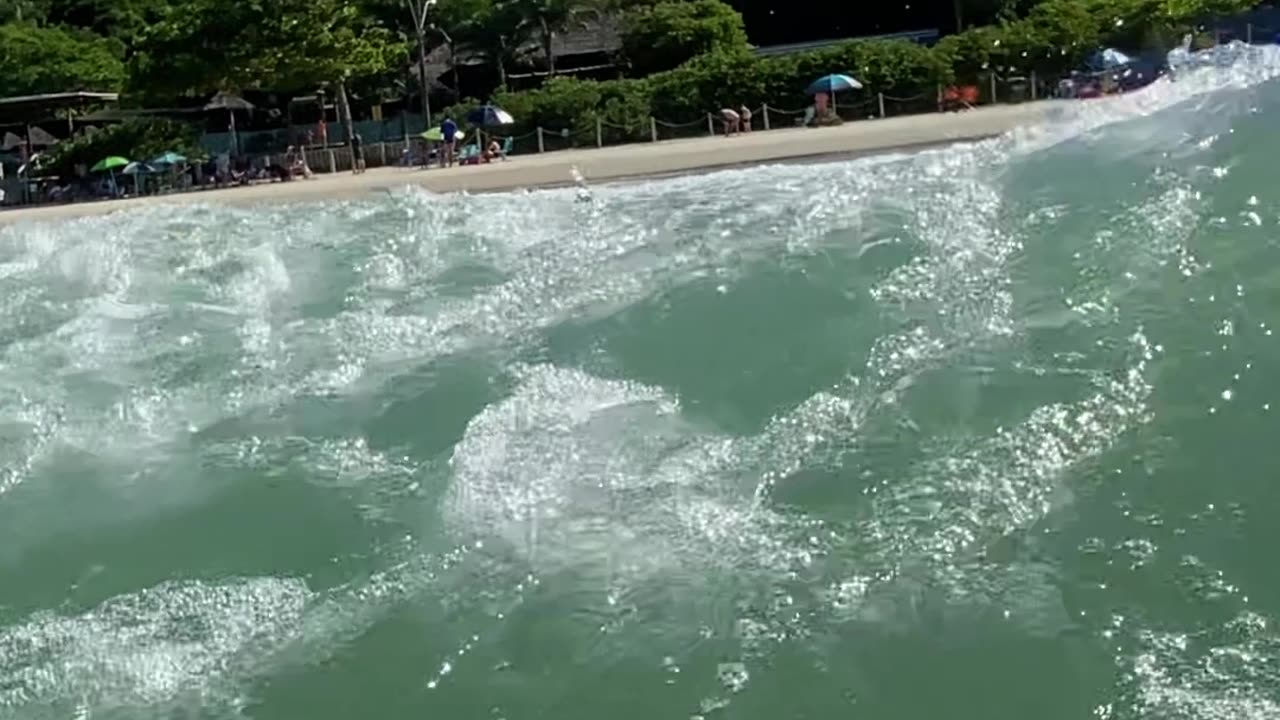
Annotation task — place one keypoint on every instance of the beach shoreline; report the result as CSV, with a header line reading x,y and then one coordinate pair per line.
x,y
623,163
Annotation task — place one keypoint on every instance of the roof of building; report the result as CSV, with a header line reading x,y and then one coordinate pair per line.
x,y
25,109
594,35
56,100
920,36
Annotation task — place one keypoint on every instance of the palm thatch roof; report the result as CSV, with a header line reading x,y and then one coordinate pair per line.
x,y
596,35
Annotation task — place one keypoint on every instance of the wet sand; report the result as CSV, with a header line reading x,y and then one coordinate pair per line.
x,y
622,162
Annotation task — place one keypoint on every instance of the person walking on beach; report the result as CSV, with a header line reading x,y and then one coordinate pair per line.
x,y
732,121
357,154
449,131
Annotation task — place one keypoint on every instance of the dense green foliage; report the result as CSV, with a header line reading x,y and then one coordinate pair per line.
x,y
663,36
54,59
201,46
132,139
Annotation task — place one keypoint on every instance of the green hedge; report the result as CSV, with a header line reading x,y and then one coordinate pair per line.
x,y
1054,37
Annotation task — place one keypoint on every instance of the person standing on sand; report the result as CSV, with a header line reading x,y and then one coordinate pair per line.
x,y
732,121
745,113
449,131
357,154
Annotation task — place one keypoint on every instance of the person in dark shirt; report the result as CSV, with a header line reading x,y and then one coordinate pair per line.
x,y
357,154
449,130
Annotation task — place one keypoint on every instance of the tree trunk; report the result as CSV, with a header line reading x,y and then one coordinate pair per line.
x,y
348,127
502,72
453,65
424,85
548,36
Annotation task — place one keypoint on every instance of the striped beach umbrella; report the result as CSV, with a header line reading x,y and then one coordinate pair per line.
x,y
833,84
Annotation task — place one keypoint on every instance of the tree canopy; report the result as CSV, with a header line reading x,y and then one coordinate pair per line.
x,y
200,46
661,36
36,60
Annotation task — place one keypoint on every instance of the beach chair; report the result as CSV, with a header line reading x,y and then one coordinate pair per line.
x,y
470,155
508,143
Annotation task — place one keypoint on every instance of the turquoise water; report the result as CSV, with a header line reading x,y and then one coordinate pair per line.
x,y
982,432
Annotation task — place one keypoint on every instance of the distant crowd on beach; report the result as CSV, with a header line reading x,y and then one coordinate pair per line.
x,y
446,145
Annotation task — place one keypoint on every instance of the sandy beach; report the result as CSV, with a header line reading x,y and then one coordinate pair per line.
x,y
607,164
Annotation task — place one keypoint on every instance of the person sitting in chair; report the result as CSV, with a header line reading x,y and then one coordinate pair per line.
x,y
494,151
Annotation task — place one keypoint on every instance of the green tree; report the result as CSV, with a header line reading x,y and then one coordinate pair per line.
x,y
201,46
36,60
123,20
29,11
662,36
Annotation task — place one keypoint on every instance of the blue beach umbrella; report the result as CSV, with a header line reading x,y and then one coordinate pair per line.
x,y
489,116
833,84
167,159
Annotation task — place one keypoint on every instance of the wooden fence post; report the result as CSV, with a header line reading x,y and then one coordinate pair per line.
x,y
880,97
599,132
541,146
765,111
653,129
711,124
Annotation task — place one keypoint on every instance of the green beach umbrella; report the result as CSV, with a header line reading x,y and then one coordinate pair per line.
x,y
434,134
109,163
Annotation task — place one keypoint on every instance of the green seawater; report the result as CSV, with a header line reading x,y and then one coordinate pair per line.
x,y
982,433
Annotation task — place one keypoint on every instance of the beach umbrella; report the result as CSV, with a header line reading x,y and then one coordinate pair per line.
x,y
136,170
434,134
35,137
487,116
109,163
832,84
230,103
168,159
